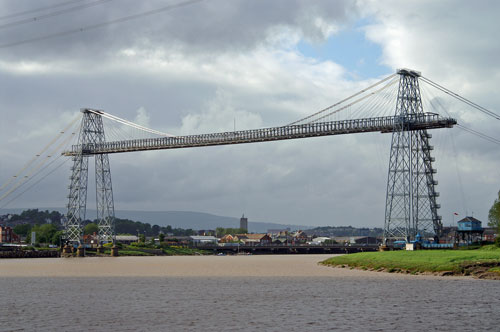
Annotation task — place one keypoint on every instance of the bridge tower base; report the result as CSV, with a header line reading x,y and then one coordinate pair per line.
x,y
91,132
411,206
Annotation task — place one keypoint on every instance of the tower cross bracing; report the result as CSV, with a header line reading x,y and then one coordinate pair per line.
x,y
410,208
91,133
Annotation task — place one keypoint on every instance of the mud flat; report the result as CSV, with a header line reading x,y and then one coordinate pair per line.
x,y
227,293
183,266
482,263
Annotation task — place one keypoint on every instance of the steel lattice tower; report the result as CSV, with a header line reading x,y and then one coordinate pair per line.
x,y
91,133
411,206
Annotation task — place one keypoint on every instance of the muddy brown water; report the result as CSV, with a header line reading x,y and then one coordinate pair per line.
x,y
235,293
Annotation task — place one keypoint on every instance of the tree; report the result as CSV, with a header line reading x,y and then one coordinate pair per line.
x,y
162,237
220,231
23,229
40,217
56,238
147,229
494,213
44,233
47,231
142,238
90,228
155,229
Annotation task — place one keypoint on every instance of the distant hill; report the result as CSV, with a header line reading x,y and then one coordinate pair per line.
x,y
182,219
332,231
199,220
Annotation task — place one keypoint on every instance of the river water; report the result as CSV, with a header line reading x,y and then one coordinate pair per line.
x,y
285,293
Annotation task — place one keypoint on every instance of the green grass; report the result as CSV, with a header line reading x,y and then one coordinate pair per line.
x,y
107,252
167,250
133,253
172,251
41,248
184,251
417,261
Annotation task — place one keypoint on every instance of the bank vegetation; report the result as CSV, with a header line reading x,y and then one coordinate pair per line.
x,y
482,262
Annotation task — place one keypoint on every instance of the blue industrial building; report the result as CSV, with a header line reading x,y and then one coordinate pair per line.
x,y
469,230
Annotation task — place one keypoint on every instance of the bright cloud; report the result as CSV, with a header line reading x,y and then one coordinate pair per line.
x,y
219,64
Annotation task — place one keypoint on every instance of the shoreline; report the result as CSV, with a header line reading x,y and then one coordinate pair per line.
x,y
475,271
281,266
483,263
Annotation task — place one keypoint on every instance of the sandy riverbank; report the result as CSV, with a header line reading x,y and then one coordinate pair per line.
x,y
182,266
211,293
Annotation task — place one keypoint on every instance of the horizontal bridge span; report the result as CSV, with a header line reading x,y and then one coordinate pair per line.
x,y
378,124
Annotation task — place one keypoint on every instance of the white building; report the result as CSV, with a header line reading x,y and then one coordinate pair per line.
x,y
127,239
319,240
199,239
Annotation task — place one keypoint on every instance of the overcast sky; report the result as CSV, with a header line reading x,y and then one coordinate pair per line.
x,y
214,64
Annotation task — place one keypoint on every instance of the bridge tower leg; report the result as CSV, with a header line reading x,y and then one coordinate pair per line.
x,y
411,206
91,132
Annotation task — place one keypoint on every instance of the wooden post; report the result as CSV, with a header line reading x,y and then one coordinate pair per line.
x,y
114,251
80,251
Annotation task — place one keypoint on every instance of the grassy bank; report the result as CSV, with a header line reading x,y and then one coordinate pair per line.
x,y
175,251
149,249
459,262
165,250
133,253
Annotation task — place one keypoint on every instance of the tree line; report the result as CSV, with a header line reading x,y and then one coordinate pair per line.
x,y
49,225
494,214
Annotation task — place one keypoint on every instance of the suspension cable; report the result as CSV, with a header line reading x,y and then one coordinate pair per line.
x,y
65,160
37,169
129,123
40,153
459,176
462,99
344,100
356,101
479,134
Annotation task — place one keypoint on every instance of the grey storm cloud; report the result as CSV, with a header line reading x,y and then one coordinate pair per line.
x,y
216,64
207,26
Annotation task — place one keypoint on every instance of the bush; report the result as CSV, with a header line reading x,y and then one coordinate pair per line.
x,y
497,241
134,253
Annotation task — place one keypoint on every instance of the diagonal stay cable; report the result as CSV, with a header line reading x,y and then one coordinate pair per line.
x,y
479,134
38,181
357,101
53,14
100,25
41,152
29,178
462,99
130,123
457,170
344,100
38,168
